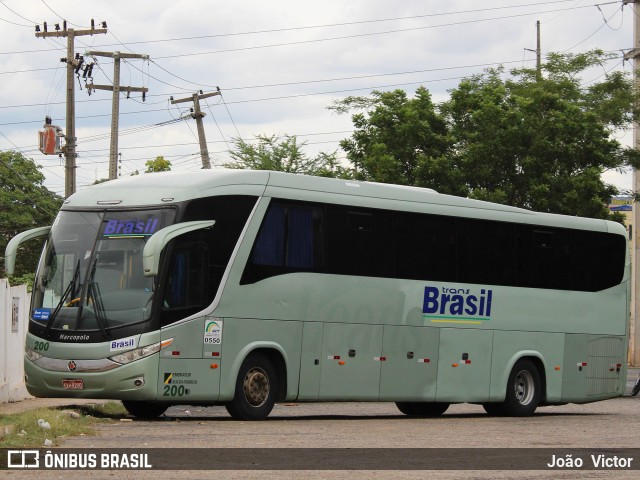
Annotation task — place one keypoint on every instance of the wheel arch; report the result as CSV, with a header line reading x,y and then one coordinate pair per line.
x,y
274,352
538,360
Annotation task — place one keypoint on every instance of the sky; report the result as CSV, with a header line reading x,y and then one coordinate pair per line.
x,y
278,66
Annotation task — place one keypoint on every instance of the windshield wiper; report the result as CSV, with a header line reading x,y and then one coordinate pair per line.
x,y
98,306
69,291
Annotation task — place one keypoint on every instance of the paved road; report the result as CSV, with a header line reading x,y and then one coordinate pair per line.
x,y
604,425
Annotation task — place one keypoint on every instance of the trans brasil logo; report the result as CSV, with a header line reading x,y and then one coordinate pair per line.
x,y
457,305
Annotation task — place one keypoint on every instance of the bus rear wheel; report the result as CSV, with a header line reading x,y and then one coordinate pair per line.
x,y
256,387
523,392
422,409
146,410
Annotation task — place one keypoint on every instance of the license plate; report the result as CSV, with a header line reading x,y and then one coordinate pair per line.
x,y
73,384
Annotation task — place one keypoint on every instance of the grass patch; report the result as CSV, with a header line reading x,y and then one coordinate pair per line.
x,y
22,430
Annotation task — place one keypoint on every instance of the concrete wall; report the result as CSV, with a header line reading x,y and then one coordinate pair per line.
x,y
14,307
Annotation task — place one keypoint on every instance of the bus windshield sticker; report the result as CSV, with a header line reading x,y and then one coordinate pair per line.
x,y
457,305
124,343
213,332
115,228
41,313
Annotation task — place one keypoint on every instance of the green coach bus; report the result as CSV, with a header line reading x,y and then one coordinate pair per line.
x,y
246,288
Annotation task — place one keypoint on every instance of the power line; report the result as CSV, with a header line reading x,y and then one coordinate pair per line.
x,y
285,84
17,14
361,35
282,97
412,17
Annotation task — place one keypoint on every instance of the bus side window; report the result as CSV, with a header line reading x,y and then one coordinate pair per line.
x,y
486,252
597,260
544,257
425,247
359,241
289,240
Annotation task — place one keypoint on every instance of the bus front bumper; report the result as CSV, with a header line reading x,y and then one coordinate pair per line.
x,y
137,380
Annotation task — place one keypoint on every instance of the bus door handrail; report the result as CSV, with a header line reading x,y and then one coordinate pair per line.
x,y
156,243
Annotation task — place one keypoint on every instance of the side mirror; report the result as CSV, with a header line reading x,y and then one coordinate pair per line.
x,y
156,243
12,247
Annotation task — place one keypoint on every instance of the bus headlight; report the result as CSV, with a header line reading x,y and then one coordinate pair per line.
x,y
137,354
31,355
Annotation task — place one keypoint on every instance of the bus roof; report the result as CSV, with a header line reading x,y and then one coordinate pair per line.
x,y
163,188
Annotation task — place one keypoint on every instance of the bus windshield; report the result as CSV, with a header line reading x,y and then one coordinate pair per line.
x,y
91,275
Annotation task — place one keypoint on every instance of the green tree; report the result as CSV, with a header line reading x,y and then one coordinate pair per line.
x,y
284,155
543,143
520,139
160,164
399,140
24,204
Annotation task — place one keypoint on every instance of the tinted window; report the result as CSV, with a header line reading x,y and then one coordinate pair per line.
x,y
425,247
597,260
544,257
290,240
348,240
486,252
359,241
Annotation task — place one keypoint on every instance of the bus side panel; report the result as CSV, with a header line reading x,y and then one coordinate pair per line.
x,y
241,336
464,365
351,362
410,363
184,372
593,368
509,346
311,361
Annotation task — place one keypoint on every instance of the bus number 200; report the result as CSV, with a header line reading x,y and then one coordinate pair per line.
x,y
175,391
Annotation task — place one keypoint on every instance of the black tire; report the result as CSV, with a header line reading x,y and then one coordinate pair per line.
x,y
524,390
494,409
146,410
256,387
422,409
636,388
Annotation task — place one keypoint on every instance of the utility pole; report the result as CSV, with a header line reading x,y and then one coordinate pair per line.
x,y
73,64
115,103
538,52
634,326
198,114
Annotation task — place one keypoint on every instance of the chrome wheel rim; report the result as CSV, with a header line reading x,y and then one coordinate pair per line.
x,y
256,387
524,387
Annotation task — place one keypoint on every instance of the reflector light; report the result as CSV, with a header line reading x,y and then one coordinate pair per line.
x,y
175,353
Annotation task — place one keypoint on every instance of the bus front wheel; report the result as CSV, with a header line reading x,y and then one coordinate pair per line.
x,y
146,410
256,387
422,409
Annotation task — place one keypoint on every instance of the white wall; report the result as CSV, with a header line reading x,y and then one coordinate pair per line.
x,y
13,331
